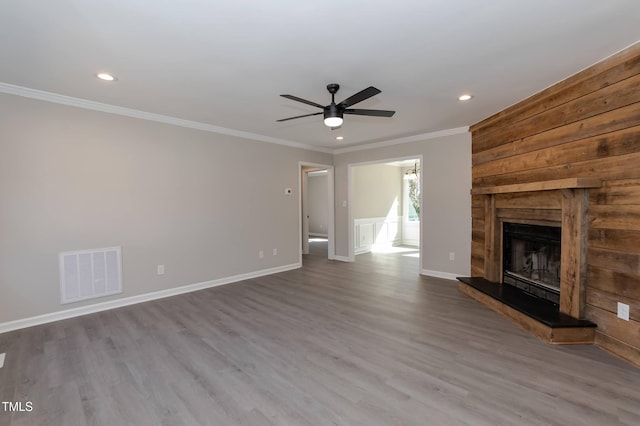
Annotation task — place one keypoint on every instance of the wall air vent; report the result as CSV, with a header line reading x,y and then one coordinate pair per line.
x,y
87,274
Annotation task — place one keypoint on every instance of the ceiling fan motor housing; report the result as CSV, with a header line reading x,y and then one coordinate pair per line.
x,y
332,110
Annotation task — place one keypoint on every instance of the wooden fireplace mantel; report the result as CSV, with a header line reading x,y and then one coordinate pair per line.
x,y
546,185
561,201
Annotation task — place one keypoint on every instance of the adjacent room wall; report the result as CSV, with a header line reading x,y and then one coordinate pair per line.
x,y
377,191
446,200
585,126
200,203
317,204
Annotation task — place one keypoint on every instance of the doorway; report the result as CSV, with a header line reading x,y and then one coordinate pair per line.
x,y
316,210
385,207
411,204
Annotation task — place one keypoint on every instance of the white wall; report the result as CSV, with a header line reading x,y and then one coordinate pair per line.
x,y
317,204
446,199
202,204
377,191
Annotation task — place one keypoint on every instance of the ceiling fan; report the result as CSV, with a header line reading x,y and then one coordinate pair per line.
x,y
333,112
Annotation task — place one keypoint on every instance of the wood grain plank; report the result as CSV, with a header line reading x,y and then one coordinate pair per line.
x,y
477,212
477,264
573,264
477,232
534,216
624,284
542,200
617,95
542,185
477,270
492,241
615,239
623,217
477,201
622,142
611,325
619,348
626,191
609,302
612,121
628,263
609,168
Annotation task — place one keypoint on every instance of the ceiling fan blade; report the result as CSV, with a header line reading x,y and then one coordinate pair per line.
x,y
371,112
300,116
304,101
359,97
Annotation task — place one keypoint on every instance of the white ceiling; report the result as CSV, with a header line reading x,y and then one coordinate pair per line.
x,y
225,63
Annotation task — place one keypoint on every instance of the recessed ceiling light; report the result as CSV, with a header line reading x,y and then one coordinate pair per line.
x,y
105,76
465,97
339,138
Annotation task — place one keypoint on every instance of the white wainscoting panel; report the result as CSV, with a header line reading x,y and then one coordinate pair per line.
x,y
381,231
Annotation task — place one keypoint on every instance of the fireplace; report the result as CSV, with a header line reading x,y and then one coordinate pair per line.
x,y
535,275
531,259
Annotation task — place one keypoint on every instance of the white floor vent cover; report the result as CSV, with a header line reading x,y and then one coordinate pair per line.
x,y
87,274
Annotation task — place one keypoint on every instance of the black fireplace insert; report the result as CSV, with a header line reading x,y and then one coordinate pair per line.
x,y
531,259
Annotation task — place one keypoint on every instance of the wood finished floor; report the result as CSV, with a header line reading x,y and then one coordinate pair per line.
x,y
366,343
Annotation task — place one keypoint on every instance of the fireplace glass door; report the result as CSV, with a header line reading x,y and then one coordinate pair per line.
x,y
531,259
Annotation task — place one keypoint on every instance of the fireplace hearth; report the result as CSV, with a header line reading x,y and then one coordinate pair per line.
x,y
543,288
531,259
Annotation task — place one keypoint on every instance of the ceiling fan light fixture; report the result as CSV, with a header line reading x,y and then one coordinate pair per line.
x,y
332,116
333,121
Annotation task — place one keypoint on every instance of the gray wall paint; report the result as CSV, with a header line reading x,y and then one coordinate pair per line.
x,y
446,185
377,191
202,204
317,204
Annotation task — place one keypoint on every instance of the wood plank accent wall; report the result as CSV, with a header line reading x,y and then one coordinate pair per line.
x,y
587,126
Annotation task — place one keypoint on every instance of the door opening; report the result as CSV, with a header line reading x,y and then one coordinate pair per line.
x,y
316,210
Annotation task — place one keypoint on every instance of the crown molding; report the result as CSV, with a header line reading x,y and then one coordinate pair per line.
x,y
143,115
408,139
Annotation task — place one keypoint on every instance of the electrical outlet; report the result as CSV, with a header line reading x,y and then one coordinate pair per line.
x,y
623,311
275,251
160,269
2,360
452,256
261,254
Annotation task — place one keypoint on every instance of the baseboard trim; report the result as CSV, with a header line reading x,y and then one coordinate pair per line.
x,y
618,348
343,258
119,303
438,274
363,251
